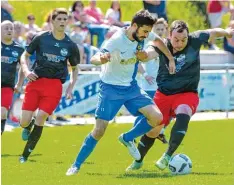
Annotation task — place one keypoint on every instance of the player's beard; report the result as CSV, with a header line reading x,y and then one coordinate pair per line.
x,y
134,35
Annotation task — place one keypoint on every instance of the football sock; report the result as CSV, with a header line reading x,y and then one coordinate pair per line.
x,y
32,140
139,129
178,132
144,145
3,123
86,149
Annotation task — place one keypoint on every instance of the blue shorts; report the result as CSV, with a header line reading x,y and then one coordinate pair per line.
x,y
151,94
112,97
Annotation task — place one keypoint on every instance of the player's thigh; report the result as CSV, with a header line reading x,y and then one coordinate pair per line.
x,y
134,105
164,103
31,97
190,99
51,95
6,97
107,108
26,117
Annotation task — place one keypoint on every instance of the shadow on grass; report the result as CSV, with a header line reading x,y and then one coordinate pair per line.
x,y
145,175
10,155
210,173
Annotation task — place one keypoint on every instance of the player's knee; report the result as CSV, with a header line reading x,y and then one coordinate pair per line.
x,y
184,109
155,118
98,133
3,113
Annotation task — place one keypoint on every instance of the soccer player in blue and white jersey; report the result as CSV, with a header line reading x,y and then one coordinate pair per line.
x,y
120,56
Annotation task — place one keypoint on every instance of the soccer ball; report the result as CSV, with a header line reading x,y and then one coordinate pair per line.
x,y
180,164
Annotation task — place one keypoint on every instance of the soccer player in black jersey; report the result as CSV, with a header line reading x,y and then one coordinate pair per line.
x,y
53,50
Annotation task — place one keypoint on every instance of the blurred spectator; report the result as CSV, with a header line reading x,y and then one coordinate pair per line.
x,y
47,25
228,43
95,12
161,28
70,23
31,26
113,14
6,10
19,32
79,14
81,37
91,23
215,10
156,7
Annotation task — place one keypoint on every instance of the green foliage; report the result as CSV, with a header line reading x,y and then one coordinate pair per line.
x,y
175,9
207,143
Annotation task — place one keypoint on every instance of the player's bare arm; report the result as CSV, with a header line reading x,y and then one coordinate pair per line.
x,y
100,58
219,32
160,44
73,79
24,61
20,81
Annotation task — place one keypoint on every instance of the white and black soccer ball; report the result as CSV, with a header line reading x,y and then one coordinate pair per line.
x,y
180,164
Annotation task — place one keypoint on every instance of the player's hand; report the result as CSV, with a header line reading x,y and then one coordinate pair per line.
x,y
105,57
230,32
31,76
141,55
68,93
150,79
172,66
17,88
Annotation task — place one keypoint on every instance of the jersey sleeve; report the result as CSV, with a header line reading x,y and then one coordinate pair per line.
x,y
110,45
34,44
200,37
74,58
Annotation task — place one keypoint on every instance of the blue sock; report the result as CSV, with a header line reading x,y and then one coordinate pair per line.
x,y
139,129
86,149
137,120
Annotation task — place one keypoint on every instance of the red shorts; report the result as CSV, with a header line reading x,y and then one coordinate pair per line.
x,y
6,97
44,94
168,104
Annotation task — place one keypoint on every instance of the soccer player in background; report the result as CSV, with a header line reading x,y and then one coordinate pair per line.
x,y
149,71
120,56
53,50
10,57
177,94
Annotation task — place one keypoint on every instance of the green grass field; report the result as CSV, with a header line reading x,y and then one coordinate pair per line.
x,y
209,144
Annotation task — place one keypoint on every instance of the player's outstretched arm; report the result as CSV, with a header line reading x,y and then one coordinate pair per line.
x,y
100,58
219,32
162,47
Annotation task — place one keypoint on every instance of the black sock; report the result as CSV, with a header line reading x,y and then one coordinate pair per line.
x,y
29,127
178,132
32,140
144,145
3,123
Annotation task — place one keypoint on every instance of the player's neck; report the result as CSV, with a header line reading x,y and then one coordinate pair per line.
x,y
7,42
129,34
58,35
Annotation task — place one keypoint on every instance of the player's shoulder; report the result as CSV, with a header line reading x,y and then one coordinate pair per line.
x,y
198,33
68,39
18,46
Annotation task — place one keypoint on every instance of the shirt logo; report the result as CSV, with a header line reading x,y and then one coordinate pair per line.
x,y
56,45
64,52
123,52
15,54
7,48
